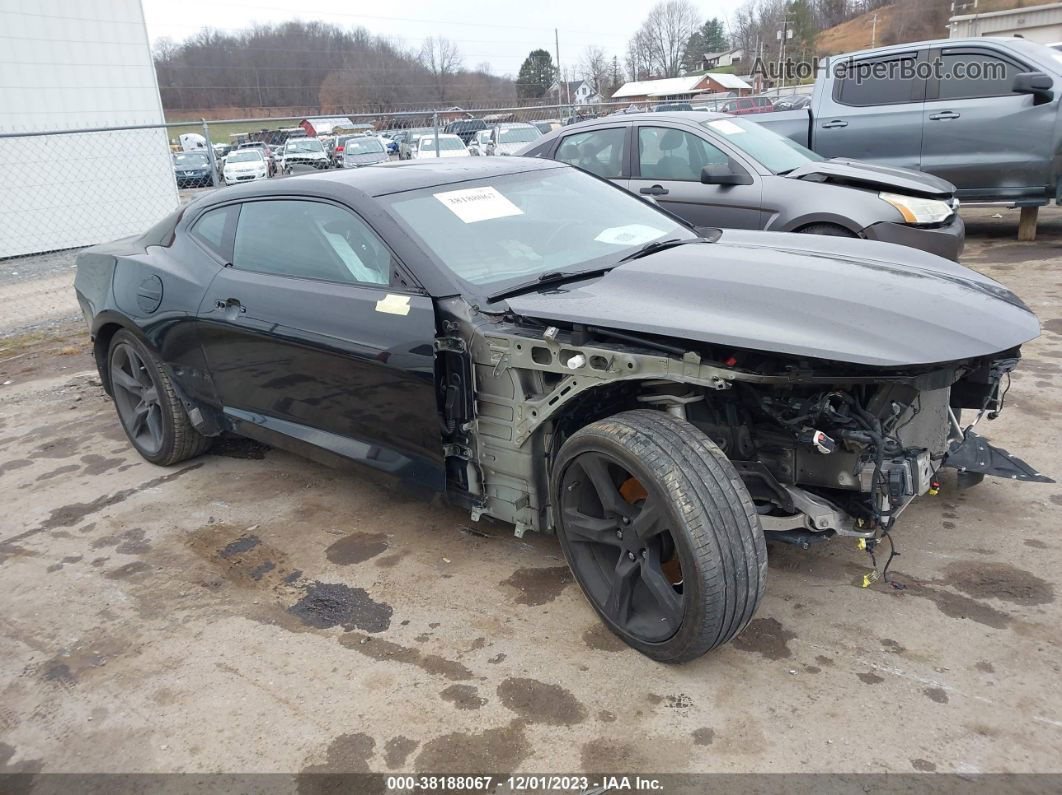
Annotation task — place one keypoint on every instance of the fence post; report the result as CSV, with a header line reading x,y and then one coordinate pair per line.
x,y
435,124
210,155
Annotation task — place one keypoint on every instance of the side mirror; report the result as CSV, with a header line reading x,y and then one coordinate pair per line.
x,y
717,174
1039,84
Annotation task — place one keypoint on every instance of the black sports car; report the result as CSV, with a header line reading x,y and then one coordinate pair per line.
x,y
557,353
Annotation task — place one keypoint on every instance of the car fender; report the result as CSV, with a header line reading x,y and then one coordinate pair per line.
x,y
779,223
792,204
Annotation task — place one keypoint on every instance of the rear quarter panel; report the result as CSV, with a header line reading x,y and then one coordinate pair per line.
x,y
793,124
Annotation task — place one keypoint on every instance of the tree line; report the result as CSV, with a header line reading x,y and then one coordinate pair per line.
x,y
320,67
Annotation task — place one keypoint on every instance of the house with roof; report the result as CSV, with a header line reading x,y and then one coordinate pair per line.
x,y
326,126
580,92
717,60
682,88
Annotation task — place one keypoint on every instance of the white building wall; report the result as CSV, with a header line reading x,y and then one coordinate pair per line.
x,y
1041,23
77,64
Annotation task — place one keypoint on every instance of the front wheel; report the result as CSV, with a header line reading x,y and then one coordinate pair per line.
x,y
660,533
830,230
147,404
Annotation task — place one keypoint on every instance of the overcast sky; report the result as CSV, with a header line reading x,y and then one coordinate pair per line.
x,y
498,32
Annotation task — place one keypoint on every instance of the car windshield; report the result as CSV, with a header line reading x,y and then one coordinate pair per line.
x,y
244,156
363,146
445,143
304,145
508,229
776,152
518,135
190,160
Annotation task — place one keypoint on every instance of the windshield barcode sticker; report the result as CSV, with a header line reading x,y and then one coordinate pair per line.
x,y
478,204
725,126
629,235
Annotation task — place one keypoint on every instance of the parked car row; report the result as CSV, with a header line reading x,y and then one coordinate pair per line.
x,y
253,160
476,139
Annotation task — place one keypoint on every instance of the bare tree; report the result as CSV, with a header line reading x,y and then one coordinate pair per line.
x,y
661,40
441,57
639,57
594,69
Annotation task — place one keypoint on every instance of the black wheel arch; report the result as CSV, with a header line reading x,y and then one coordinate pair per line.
x,y
206,418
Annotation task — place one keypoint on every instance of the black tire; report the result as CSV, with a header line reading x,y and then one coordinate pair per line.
x,y
151,414
832,230
714,531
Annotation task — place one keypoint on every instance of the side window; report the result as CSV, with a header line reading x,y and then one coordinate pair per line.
x,y
599,151
884,81
966,75
309,240
667,153
211,226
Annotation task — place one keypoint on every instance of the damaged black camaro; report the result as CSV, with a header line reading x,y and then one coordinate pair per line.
x,y
551,351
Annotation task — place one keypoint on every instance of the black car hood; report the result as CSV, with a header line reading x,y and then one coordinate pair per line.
x,y
870,175
830,298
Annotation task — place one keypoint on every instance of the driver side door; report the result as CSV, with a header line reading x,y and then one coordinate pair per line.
x,y
667,166
311,343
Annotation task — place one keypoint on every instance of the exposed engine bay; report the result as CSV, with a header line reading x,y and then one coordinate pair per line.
x,y
824,448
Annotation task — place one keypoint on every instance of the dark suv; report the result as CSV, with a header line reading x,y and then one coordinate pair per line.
x,y
465,129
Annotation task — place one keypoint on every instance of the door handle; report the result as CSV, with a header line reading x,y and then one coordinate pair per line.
x,y
944,115
835,124
655,190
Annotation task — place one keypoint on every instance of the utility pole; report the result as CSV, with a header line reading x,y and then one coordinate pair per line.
x,y
783,34
874,31
556,52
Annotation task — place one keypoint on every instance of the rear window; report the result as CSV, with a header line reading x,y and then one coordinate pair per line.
x,y
882,81
363,146
245,156
445,144
513,135
190,159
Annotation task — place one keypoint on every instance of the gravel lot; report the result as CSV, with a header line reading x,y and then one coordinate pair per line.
x,y
251,610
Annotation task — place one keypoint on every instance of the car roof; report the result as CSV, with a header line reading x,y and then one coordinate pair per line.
x,y
387,178
687,116
915,45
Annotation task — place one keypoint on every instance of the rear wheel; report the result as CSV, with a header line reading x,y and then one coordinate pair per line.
x,y
151,413
660,533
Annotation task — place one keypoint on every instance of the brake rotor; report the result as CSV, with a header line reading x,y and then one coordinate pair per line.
x,y
634,493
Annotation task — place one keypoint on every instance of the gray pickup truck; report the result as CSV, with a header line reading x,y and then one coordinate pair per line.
x,y
981,113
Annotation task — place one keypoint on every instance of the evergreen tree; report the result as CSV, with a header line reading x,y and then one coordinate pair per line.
x,y
537,74
710,37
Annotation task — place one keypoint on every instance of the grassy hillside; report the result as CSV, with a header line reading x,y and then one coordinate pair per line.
x,y
220,132
856,34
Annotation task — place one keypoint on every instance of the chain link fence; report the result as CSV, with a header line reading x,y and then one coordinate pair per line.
x,y
63,190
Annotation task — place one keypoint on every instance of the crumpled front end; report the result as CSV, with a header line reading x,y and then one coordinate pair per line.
x,y
848,460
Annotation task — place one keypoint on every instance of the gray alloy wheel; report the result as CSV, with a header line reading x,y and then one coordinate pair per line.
x,y
660,533
147,404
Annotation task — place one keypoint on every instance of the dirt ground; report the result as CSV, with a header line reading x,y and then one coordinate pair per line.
x,y
253,611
